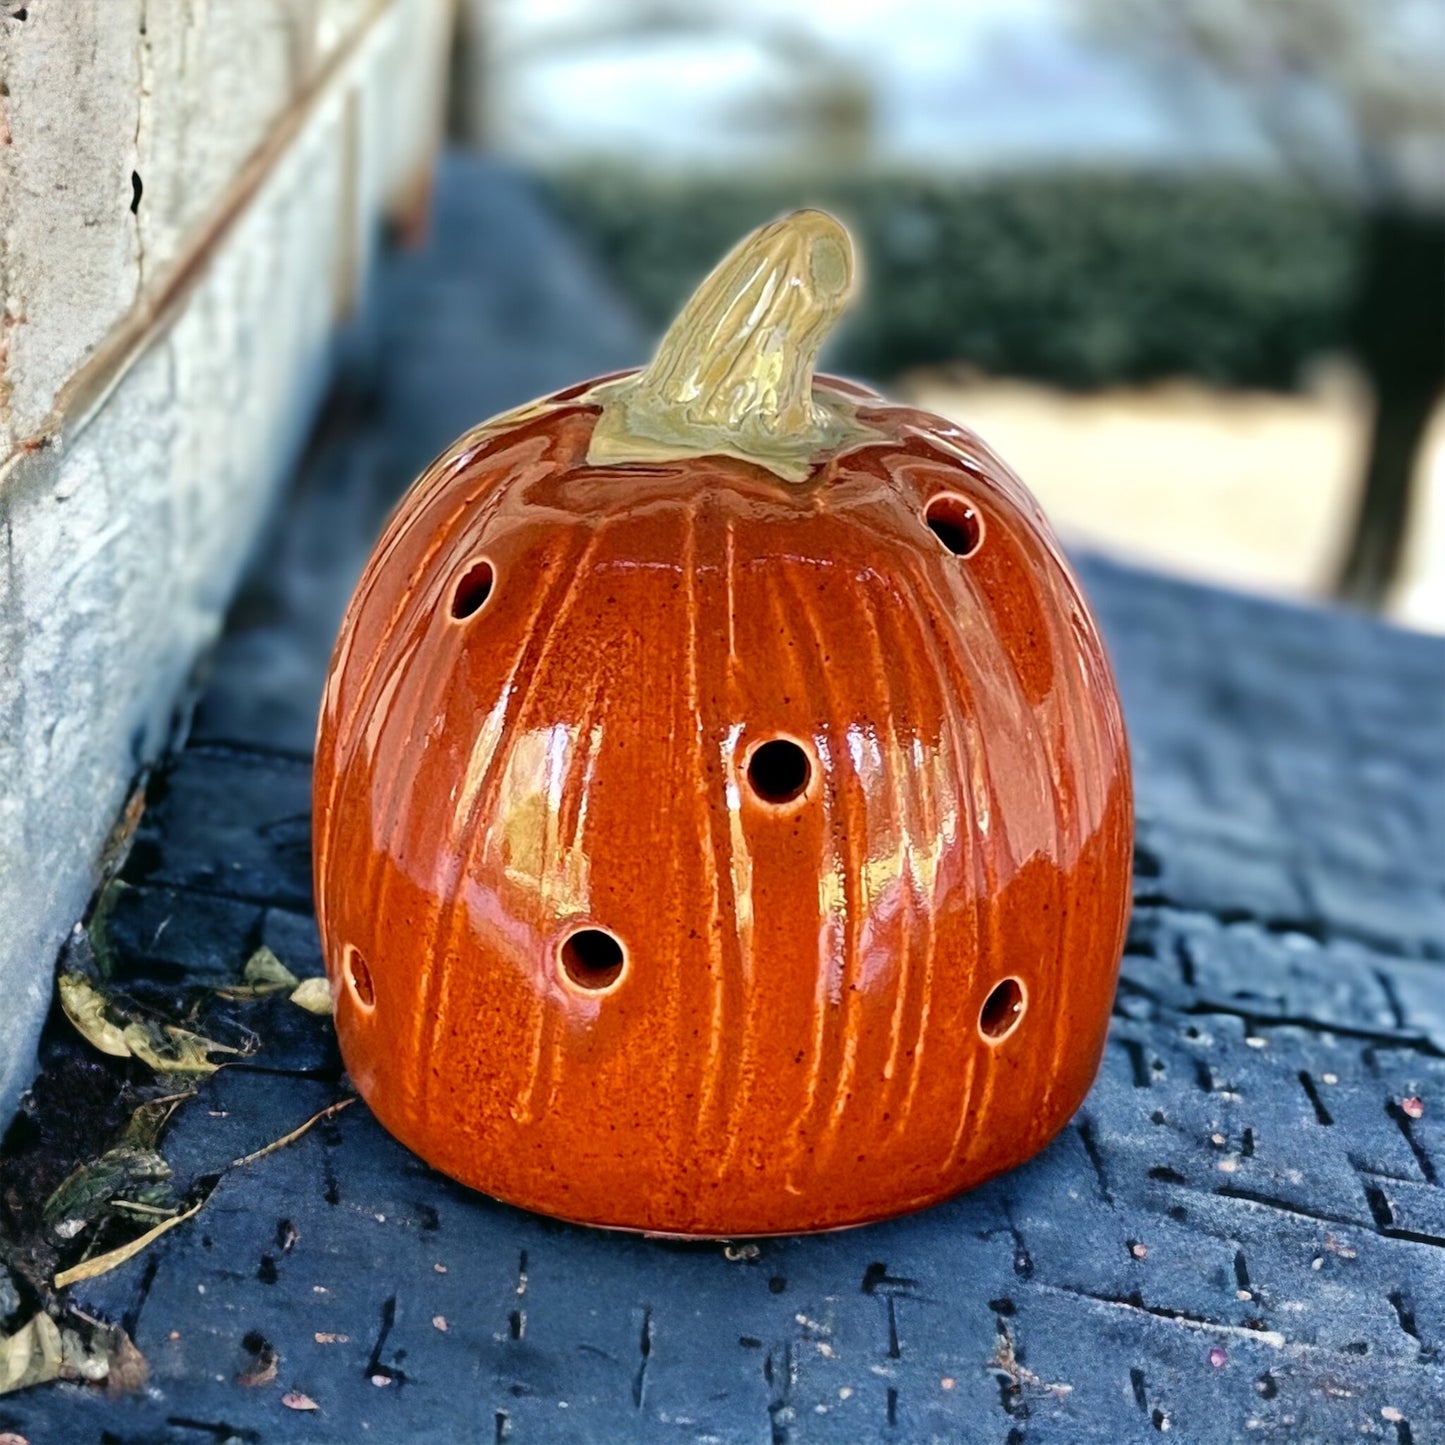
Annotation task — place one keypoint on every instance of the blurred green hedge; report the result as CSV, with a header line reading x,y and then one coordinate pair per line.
x,y
1078,279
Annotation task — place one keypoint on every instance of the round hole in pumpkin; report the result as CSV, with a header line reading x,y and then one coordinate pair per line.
x,y
1002,1010
473,589
953,520
592,958
358,978
779,770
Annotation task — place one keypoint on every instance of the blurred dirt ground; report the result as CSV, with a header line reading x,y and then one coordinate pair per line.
x,y
1246,489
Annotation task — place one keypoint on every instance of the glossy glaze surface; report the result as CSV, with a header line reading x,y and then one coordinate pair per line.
x,y
794,1041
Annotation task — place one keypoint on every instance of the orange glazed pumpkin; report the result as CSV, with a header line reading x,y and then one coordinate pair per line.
x,y
722,806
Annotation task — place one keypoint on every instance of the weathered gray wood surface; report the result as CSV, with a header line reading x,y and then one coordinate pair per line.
x,y
1241,1236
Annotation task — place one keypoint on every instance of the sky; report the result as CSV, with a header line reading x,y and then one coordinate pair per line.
x,y
970,84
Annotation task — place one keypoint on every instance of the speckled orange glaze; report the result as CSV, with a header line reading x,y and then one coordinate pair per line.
x,y
828,1007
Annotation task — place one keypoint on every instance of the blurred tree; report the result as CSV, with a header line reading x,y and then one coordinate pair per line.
x,y
1352,97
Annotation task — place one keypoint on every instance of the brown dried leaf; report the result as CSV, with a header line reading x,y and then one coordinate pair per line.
x,y
262,1369
263,1374
295,1400
128,1368
122,836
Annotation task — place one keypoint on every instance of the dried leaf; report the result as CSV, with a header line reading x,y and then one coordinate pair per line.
x,y
167,1048
42,1351
263,1374
148,1211
98,928
264,970
128,1368
132,1177
146,1123
31,1356
83,1357
295,1134
314,995
262,1369
87,1008
118,845
264,974
170,1049
295,1400
86,1192
113,1259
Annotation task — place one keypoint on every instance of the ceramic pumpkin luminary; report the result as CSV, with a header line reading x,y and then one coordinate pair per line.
x,y
722,807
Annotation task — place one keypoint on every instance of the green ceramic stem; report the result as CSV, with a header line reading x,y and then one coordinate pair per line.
x,y
734,373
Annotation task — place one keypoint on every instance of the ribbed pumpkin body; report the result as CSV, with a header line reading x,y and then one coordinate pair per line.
x,y
543,715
